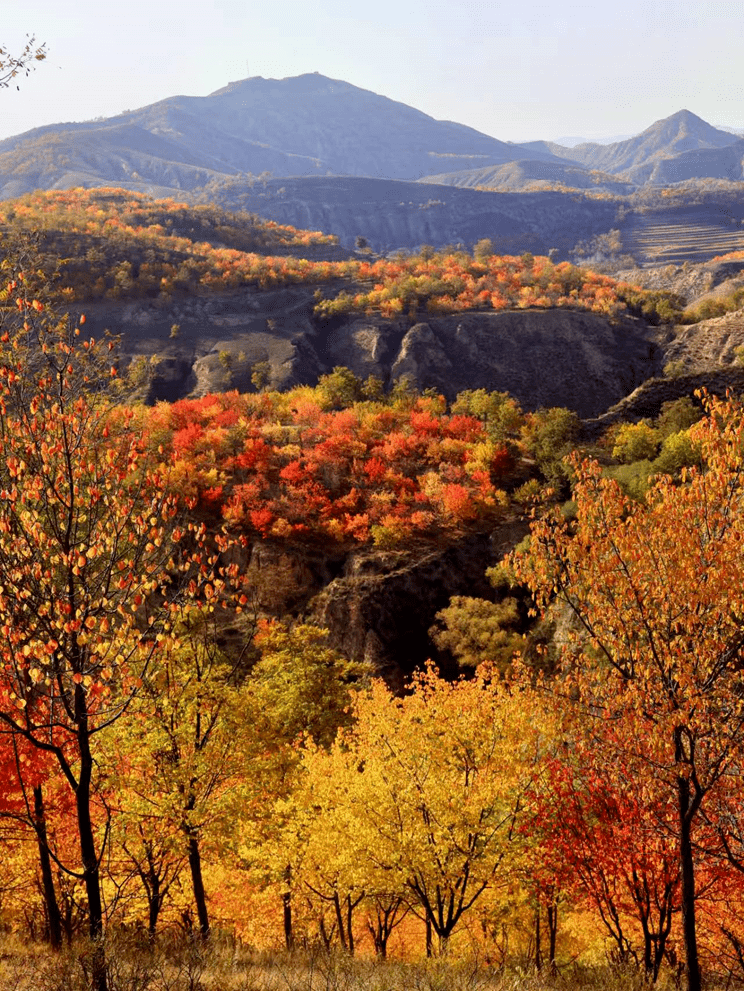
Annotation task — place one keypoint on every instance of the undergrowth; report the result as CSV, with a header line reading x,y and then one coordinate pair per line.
x,y
223,966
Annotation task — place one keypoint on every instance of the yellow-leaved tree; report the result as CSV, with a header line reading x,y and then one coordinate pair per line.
x,y
298,694
421,796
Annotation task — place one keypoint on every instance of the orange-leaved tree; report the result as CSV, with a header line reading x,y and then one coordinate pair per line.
x,y
92,559
658,643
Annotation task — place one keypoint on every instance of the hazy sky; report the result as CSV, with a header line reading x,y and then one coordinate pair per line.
x,y
517,71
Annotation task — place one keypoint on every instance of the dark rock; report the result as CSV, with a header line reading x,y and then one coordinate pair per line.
x,y
381,608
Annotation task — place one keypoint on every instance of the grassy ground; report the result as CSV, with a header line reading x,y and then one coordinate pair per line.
x,y
188,967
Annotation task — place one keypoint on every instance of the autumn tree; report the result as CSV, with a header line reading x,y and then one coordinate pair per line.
x,y
656,593
298,694
477,630
91,558
25,772
426,793
12,66
173,765
609,845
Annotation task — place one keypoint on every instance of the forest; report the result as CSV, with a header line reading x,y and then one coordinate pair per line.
x,y
185,770
117,244
201,792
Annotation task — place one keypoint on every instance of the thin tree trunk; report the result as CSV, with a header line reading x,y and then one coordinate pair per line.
x,y
339,920
538,948
552,933
154,904
197,881
349,929
287,909
688,886
54,917
428,936
91,873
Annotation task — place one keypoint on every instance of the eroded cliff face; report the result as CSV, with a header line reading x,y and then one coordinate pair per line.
x,y
378,605
196,345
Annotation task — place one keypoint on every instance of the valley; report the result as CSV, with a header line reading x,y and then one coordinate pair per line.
x,y
370,549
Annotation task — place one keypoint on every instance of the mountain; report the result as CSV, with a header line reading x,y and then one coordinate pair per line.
x,y
322,154
302,125
533,175
634,158
702,163
570,141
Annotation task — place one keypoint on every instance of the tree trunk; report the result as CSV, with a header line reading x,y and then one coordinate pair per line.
x,y
287,909
197,881
91,874
428,936
552,933
54,917
538,947
154,901
688,885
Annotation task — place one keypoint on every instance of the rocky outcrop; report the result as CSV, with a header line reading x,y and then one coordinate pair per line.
x,y
646,401
707,355
199,344
710,345
542,357
378,605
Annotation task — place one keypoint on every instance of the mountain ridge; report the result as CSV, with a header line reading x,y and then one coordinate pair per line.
x,y
301,125
681,132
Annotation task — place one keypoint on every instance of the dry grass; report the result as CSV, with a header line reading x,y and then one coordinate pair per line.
x,y
186,966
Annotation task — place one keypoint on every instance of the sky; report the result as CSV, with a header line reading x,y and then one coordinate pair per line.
x,y
516,71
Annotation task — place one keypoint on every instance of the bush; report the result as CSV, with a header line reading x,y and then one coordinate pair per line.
x,y
676,415
636,442
548,436
633,478
678,451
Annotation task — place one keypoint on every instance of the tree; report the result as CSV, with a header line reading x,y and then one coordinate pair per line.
x,y
477,630
173,766
605,843
92,559
658,647
548,436
636,441
425,792
299,694
12,66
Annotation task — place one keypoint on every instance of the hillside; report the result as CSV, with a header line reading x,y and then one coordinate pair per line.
x,y
702,163
392,215
200,297
692,234
529,174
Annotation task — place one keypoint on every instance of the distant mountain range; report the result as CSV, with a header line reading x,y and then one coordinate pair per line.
x,y
636,158
301,126
310,125
314,151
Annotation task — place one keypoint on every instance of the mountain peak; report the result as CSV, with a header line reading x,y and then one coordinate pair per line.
x,y
684,121
306,82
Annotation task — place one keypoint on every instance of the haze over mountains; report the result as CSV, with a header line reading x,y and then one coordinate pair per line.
x,y
677,148
321,153
304,125
311,125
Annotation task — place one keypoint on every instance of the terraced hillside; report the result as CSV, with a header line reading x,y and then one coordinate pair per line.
x,y
694,236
